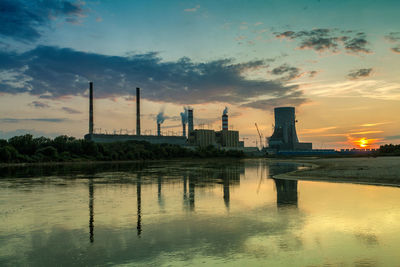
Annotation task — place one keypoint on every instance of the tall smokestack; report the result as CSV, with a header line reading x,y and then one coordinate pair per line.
x,y
190,120
184,118
137,111
159,129
184,129
91,108
225,120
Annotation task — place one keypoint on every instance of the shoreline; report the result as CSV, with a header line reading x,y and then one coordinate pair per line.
x,y
89,162
380,171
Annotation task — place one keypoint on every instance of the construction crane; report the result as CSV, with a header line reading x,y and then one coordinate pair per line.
x,y
261,144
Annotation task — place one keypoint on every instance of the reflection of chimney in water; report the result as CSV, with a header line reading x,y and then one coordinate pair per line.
x,y
226,192
184,187
159,194
139,203
191,192
91,213
286,192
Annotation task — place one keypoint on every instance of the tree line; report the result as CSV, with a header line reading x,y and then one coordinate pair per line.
x,y
26,149
390,150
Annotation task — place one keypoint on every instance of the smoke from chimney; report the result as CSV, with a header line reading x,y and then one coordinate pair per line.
x,y
184,115
160,117
225,111
184,118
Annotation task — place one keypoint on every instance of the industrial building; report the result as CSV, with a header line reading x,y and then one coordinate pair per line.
x,y
224,139
109,138
284,136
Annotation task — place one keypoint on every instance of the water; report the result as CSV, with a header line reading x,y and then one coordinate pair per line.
x,y
192,213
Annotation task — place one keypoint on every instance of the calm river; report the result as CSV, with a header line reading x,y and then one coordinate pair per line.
x,y
188,213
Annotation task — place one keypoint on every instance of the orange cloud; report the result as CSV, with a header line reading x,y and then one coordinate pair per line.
x,y
366,132
317,130
364,142
373,124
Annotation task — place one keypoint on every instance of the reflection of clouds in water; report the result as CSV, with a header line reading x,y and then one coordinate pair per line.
x,y
366,262
256,232
369,239
184,237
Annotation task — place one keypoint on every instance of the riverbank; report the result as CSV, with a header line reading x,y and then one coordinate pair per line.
x,y
376,171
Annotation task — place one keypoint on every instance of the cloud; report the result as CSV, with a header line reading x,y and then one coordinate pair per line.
x,y
373,124
360,73
24,20
317,130
240,37
194,9
290,72
378,89
71,110
52,72
18,132
324,40
312,73
366,132
293,99
394,37
38,104
392,137
18,120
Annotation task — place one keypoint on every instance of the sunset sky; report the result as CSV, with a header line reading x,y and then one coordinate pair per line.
x,y
337,62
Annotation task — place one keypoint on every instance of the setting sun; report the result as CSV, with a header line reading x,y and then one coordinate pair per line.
x,y
363,142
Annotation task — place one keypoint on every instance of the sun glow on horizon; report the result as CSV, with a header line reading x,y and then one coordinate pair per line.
x,y
364,142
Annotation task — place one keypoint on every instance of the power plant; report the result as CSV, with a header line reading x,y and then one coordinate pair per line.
x,y
283,140
224,139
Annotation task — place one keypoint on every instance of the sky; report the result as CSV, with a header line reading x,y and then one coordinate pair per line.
x,y
335,61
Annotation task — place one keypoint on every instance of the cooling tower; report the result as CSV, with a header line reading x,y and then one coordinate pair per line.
x,y
190,120
284,136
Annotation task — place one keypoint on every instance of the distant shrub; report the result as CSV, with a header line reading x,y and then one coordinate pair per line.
x,y
48,151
